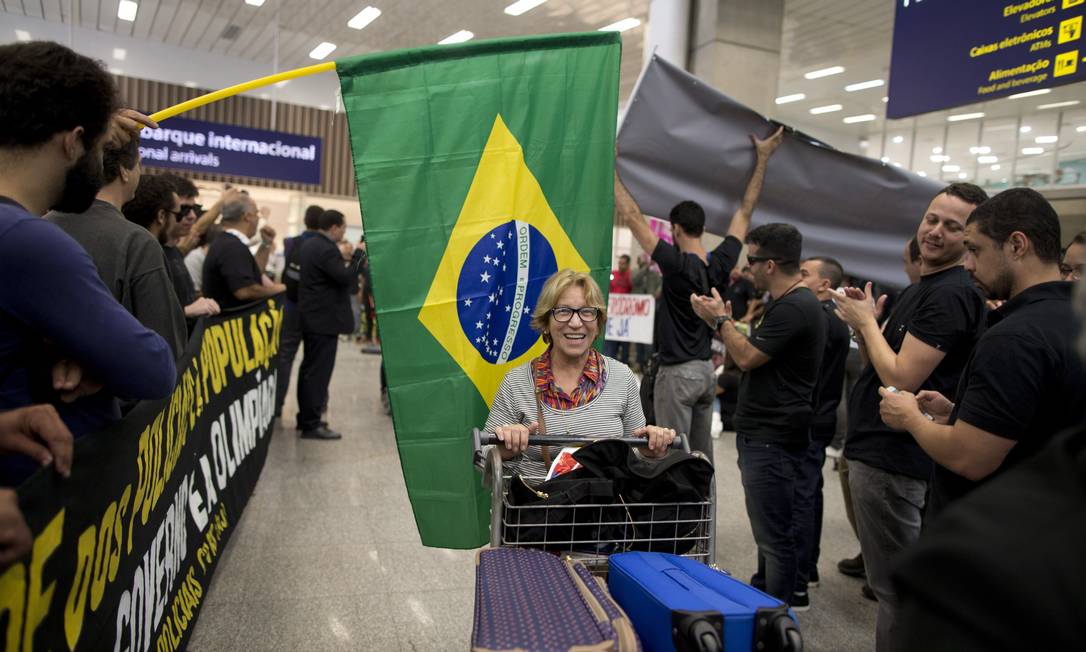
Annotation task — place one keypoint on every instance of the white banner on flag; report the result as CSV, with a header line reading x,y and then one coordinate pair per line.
x,y
630,318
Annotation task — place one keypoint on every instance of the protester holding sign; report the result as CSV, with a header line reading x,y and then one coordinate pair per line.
x,y
56,113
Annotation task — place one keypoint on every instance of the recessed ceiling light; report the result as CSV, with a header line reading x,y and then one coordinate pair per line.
x,y
459,37
794,97
859,86
190,84
898,139
897,165
936,150
829,108
1030,151
116,71
127,9
852,119
885,99
22,35
938,158
1058,105
964,116
1025,129
963,175
322,50
987,159
922,173
522,6
1046,140
621,26
885,159
824,72
980,149
1081,129
1042,91
255,3
364,17
994,168
119,54
951,168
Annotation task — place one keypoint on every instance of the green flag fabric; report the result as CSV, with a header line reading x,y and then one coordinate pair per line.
x,y
482,169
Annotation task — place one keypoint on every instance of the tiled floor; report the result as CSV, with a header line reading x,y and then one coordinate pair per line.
x,y
326,556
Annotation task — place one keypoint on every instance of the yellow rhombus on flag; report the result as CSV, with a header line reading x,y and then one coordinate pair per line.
x,y
506,203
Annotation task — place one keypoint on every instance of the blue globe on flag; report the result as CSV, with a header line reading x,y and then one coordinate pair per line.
x,y
498,287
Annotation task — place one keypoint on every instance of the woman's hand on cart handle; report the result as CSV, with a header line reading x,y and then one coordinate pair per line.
x,y
659,439
514,437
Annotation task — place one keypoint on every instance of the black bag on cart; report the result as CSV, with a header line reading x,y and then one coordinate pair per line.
x,y
561,510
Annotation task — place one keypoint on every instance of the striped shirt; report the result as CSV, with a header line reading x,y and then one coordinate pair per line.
x,y
615,412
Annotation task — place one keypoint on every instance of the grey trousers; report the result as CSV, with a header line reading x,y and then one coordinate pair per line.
x,y
683,400
888,515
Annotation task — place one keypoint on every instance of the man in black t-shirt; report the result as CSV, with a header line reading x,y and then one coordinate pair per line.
x,y
923,344
231,275
820,275
780,361
1024,382
741,294
685,384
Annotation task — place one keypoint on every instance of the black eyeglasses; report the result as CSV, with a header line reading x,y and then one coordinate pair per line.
x,y
563,314
195,208
176,214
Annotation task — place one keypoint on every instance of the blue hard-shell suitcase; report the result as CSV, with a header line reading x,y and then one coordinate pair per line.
x,y
676,603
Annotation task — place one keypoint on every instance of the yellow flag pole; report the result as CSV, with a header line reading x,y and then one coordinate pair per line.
x,y
196,102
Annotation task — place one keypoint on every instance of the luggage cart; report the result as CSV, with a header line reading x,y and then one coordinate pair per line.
x,y
590,532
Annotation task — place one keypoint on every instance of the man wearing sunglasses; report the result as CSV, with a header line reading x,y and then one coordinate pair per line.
x,y
685,385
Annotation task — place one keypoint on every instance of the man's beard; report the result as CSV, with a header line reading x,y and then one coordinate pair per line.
x,y
81,184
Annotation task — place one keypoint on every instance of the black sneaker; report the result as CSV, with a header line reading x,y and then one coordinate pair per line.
x,y
868,593
812,578
853,567
321,433
800,601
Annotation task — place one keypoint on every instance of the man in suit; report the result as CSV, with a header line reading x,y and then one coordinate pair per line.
x,y
327,279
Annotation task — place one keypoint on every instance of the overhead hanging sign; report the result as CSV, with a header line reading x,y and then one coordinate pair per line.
x,y
215,148
948,54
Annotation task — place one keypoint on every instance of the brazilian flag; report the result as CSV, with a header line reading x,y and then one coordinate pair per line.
x,y
482,169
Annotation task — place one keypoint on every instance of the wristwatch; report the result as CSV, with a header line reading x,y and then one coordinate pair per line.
x,y
720,321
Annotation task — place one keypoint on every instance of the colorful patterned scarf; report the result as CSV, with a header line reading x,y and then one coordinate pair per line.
x,y
592,381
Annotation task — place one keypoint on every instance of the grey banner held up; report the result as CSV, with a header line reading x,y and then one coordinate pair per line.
x,y
682,139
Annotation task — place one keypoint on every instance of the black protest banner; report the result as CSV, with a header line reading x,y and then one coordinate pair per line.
x,y
124,550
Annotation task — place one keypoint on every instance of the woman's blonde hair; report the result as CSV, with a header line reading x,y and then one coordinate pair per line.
x,y
558,283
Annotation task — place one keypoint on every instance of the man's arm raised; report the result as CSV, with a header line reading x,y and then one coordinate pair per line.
x,y
740,223
629,215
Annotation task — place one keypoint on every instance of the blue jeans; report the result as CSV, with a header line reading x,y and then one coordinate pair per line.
x,y
618,350
808,508
769,473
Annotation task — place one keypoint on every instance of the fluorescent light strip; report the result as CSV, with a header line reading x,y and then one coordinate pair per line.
x,y
255,3
1025,129
1057,105
364,17
1030,151
853,119
963,175
322,50
522,6
824,72
794,97
897,140
621,26
120,54
936,150
922,173
951,168
938,158
859,86
127,10
459,37
1042,91
1081,129
980,150
994,168
964,116
829,108
984,160
1046,140
22,35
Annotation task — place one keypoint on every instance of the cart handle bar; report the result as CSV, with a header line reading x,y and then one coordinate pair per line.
x,y
490,439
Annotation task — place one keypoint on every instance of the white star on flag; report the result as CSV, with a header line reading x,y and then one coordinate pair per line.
x,y
501,245
467,303
486,259
485,277
507,309
491,297
479,325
